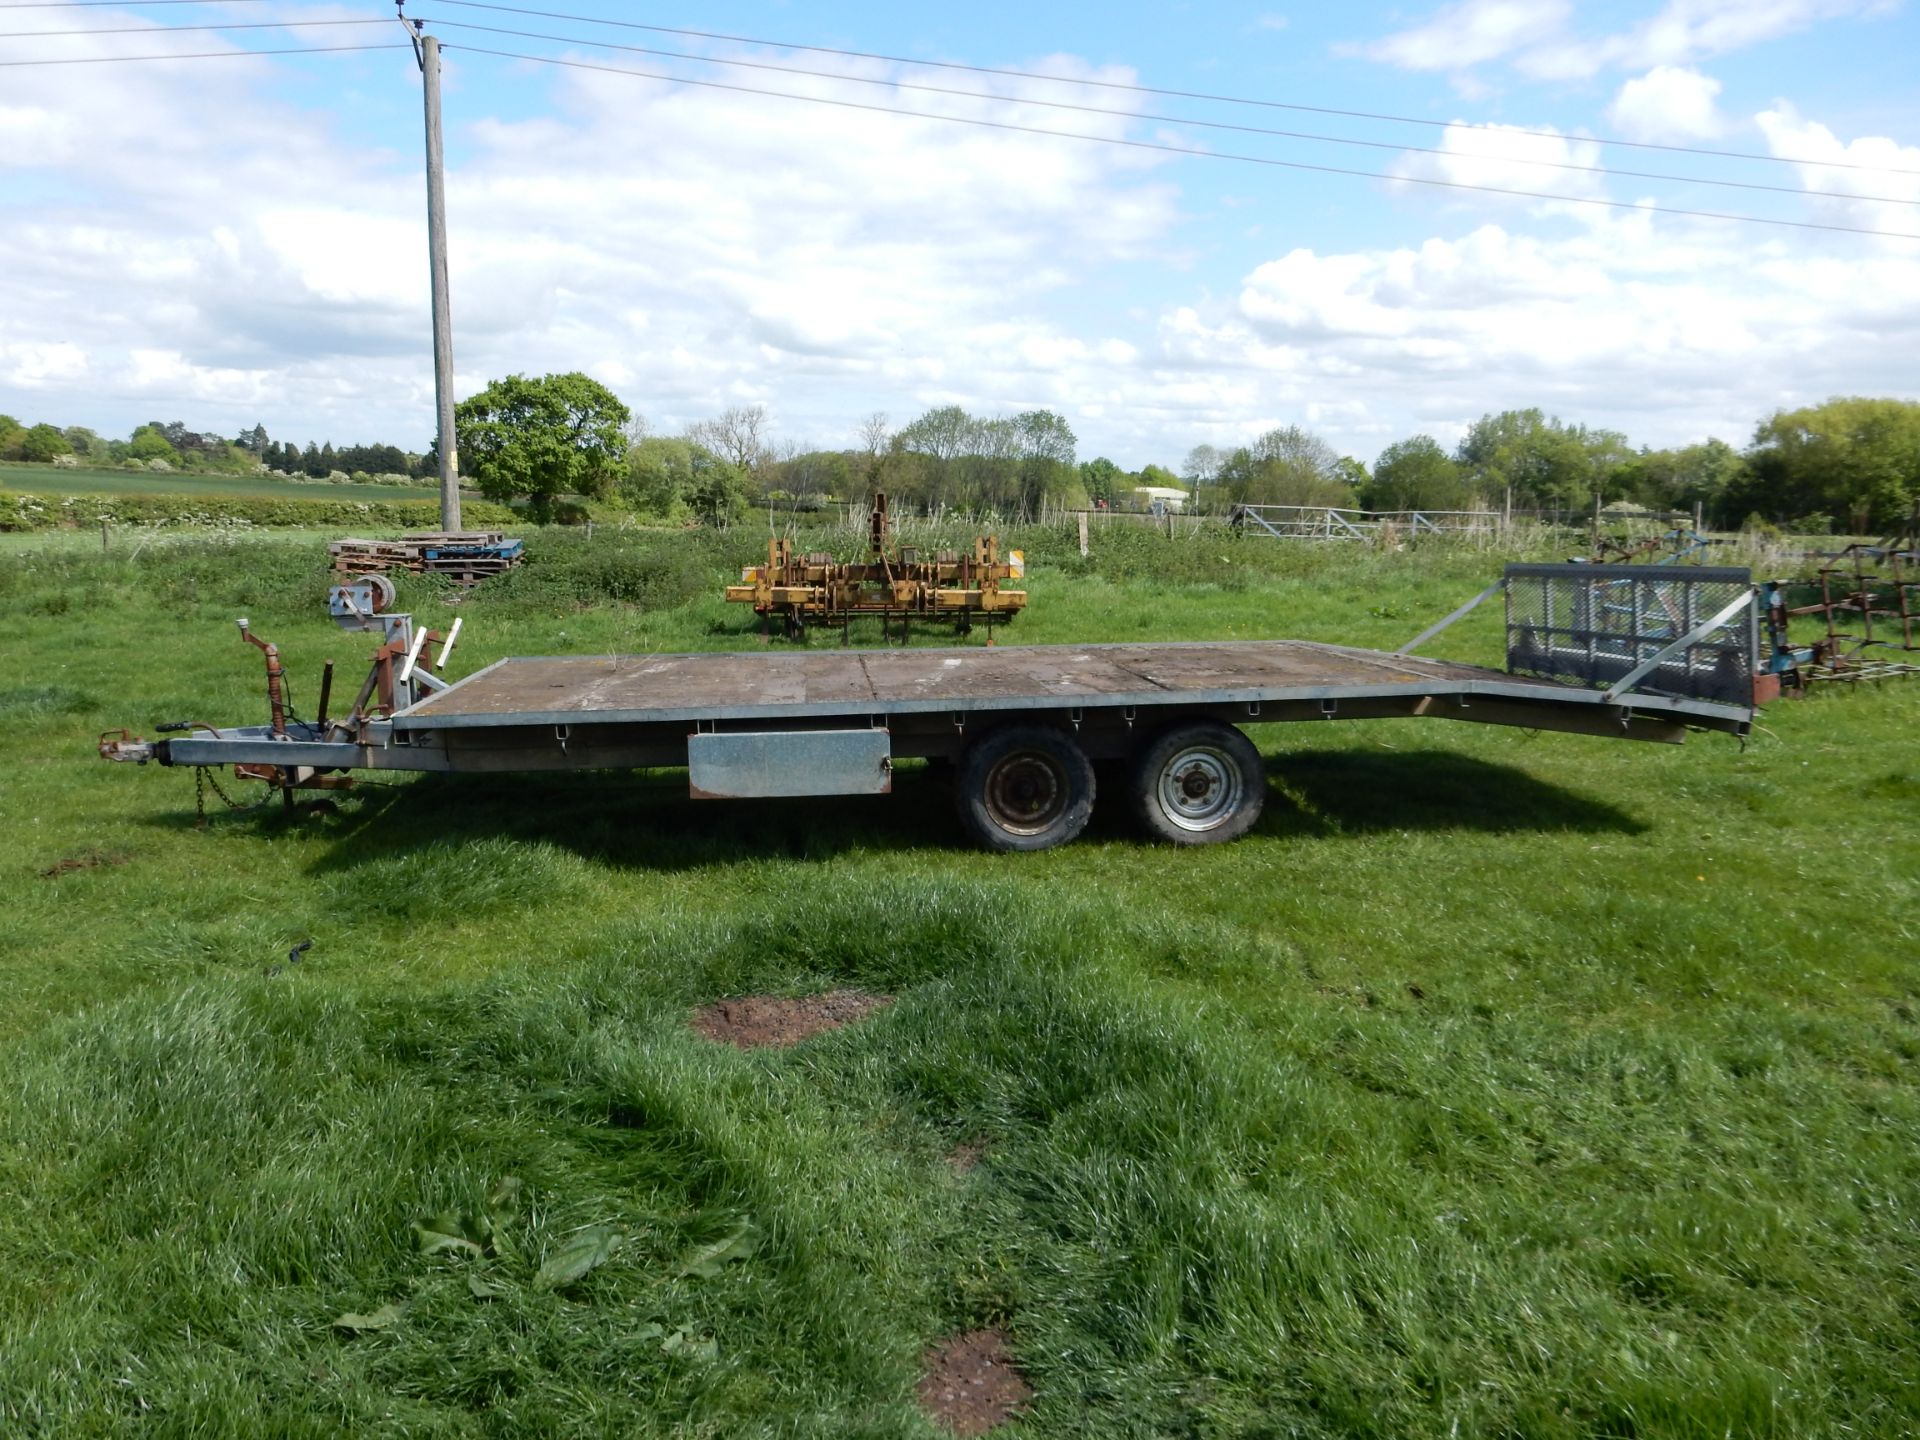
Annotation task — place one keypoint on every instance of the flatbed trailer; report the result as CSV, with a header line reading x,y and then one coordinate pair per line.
x,y
1630,652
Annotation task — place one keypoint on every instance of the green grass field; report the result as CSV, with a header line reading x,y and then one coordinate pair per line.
x,y
1499,1084
47,480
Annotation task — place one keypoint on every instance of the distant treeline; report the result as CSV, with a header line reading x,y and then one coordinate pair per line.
x,y
1849,464
170,445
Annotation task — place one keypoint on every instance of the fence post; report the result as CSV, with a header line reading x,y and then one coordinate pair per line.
x,y
1083,534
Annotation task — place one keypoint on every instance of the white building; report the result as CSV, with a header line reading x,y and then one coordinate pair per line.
x,y
1169,498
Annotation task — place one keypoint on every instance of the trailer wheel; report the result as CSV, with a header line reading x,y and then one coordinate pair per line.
x,y
1199,784
1024,787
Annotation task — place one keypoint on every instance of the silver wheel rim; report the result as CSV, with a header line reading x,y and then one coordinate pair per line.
x,y
1200,788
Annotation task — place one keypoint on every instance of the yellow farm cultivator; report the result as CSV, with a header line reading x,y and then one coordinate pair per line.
x,y
894,583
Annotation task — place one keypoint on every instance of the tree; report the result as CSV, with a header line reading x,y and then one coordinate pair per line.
x,y
11,434
86,444
1680,479
1103,479
737,435
1289,466
1416,474
541,438
1544,461
1853,458
659,475
944,434
1159,476
1202,465
717,489
875,433
1045,446
42,443
149,444
804,478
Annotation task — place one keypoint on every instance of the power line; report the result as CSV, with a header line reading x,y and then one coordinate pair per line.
x,y
1181,119
196,55
1189,153
183,29
1157,90
990,124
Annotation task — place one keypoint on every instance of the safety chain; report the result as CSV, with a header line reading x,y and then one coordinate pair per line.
x,y
203,776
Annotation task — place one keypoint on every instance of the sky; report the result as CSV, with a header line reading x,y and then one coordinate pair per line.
x,y
239,241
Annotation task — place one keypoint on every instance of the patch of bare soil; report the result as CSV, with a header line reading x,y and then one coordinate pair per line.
x,y
88,860
965,1159
752,1021
971,1384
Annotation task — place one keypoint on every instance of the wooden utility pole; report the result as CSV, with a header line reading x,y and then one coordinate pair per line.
x,y
427,51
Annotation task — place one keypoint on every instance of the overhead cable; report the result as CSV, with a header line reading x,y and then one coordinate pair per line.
x,y
1158,90
198,55
1184,150
1180,119
184,29
116,4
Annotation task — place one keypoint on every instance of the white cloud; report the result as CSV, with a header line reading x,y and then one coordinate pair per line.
x,y
1506,157
695,251
1831,167
1472,32
1668,103
1538,38
1632,324
31,365
1686,29
697,248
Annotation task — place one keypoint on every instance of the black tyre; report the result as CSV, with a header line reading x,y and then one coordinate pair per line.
x,y
1198,784
1024,787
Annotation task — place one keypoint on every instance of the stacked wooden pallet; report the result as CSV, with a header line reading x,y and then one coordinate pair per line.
x,y
465,556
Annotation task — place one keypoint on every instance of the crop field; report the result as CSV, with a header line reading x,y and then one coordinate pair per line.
x,y
1499,1084
46,480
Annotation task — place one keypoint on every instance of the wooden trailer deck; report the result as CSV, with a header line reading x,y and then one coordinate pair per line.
x,y
732,687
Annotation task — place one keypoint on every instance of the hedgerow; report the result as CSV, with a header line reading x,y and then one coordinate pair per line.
x,y
21,511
